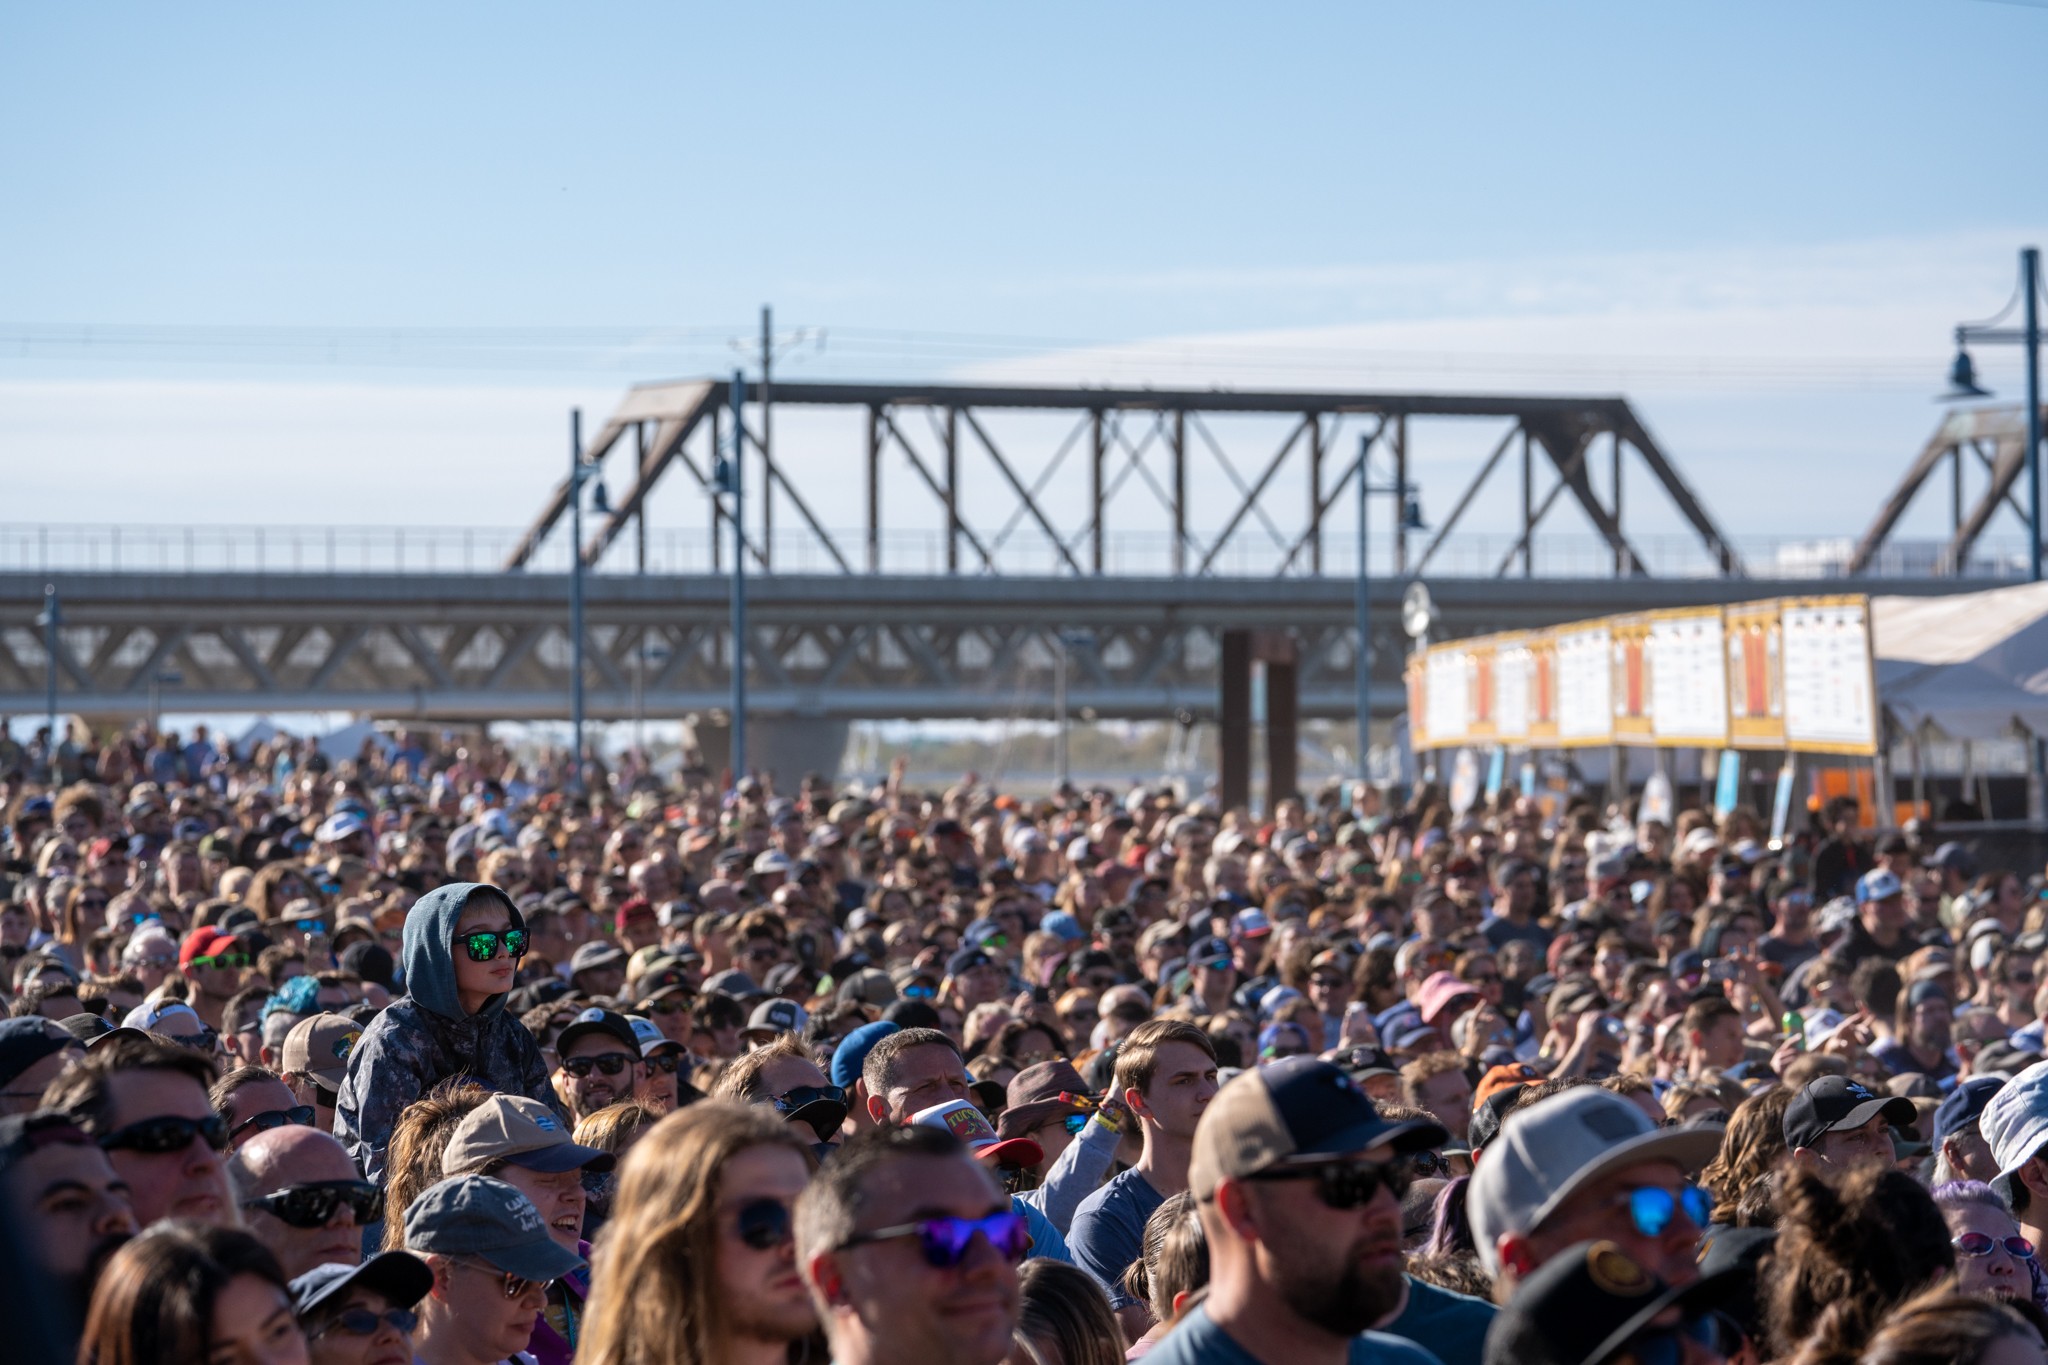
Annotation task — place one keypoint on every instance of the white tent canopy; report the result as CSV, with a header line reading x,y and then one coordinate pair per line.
x,y
1971,666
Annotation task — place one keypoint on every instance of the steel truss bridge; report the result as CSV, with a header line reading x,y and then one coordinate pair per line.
x,y
1023,496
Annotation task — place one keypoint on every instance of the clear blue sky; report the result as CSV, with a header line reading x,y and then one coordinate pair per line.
x,y
1108,173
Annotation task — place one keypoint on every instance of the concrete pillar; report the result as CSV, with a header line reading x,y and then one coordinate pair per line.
x,y
1234,720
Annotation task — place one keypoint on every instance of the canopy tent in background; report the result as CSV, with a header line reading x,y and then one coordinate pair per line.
x,y
1971,667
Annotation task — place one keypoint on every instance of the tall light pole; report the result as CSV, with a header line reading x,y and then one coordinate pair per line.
x,y
1963,384
1068,640
1409,505
727,481
50,618
579,474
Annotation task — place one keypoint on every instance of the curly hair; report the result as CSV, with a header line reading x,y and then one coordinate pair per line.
x,y
1751,1148
1850,1249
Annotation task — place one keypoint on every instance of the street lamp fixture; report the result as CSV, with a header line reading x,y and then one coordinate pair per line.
x,y
1963,385
1409,499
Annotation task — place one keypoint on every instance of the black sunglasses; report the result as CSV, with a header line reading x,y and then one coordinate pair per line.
x,y
611,1064
300,1114
665,1062
765,1224
361,1322
313,1205
1347,1184
484,945
789,1101
169,1133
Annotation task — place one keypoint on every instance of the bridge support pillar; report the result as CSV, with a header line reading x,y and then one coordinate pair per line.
x,y
1234,720
1275,649
785,746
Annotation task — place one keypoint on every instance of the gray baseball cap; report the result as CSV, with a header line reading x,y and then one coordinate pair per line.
x,y
520,1131
1546,1153
474,1215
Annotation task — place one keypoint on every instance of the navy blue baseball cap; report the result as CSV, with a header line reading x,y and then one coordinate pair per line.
x,y
1300,1111
1964,1105
26,1041
852,1053
966,960
401,1277
1209,952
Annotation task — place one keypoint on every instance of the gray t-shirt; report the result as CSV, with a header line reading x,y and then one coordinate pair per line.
x,y
1108,1231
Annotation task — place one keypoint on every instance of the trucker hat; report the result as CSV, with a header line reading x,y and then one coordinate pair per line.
x,y
1298,1111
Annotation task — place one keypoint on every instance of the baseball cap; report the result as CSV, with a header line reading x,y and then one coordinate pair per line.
x,y
522,1132
966,960
148,1015
1440,992
1033,1096
2015,1123
852,1053
28,1040
1833,1103
340,826
1064,926
1965,1106
735,983
1299,1110
867,986
1953,856
971,1126
321,1045
474,1215
402,1278
1366,1062
205,943
659,982
777,1016
1877,885
597,1020
1250,924
594,956
1548,1152
1582,1307
772,862
652,1039
1209,952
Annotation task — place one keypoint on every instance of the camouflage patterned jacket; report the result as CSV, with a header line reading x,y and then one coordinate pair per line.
x,y
425,1038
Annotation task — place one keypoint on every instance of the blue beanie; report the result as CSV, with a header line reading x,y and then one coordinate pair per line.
x,y
852,1052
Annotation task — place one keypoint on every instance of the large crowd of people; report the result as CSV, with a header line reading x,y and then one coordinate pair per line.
x,y
426,1054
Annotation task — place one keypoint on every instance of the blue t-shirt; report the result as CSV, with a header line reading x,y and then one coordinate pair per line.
x,y
1198,1341
1450,1326
1108,1232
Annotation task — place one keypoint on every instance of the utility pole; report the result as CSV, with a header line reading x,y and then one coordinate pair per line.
x,y
767,439
736,484
576,597
51,617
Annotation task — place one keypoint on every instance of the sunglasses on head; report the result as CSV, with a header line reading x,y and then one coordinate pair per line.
x,y
313,1205
611,1064
300,1114
361,1322
945,1242
170,1133
764,1224
1653,1208
1983,1244
1347,1184
483,946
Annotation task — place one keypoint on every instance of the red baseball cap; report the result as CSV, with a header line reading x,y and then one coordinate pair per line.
x,y
637,905
205,943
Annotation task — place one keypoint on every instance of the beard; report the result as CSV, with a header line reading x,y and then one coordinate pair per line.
x,y
772,1322
1346,1299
